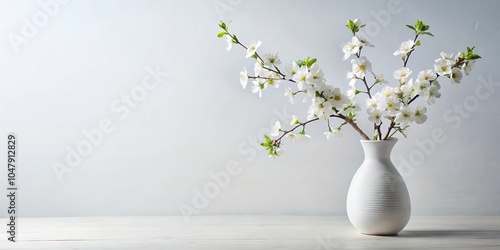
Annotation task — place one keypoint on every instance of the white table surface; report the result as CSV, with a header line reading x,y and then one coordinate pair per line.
x,y
247,232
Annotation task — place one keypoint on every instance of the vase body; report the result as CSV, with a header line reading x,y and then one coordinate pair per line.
x,y
378,202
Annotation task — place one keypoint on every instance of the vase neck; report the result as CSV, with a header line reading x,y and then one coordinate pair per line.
x,y
378,149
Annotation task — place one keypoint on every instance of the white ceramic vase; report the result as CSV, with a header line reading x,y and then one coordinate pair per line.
x,y
378,202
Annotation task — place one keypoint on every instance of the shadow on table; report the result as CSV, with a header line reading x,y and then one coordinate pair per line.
x,y
472,234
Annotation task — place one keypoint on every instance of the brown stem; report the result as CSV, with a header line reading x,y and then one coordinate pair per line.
x,y
379,131
389,129
413,99
355,126
299,125
340,116
368,89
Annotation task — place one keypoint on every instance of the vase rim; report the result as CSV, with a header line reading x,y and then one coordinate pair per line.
x,y
379,141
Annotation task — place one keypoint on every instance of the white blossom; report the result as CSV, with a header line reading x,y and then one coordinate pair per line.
x,y
405,48
404,116
402,74
456,75
426,75
291,136
353,78
351,94
337,98
259,70
352,47
258,86
271,59
446,56
244,78
443,66
273,81
360,66
387,93
407,91
432,93
229,41
291,96
371,104
357,23
301,77
333,133
319,108
391,105
364,42
317,76
420,116
252,48
380,79
276,128
291,71
421,86
302,137
375,116
467,67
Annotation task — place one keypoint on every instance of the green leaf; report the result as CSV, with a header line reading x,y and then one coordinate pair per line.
x,y
235,39
221,34
472,57
268,139
418,43
222,25
310,62
411,27
470,54
351,116
419,25
427,33
300,63
420,28
350,25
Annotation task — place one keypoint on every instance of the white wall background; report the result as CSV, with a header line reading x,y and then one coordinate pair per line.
x,y
69,73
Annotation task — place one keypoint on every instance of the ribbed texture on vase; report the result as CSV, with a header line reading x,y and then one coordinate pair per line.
x,y
380,195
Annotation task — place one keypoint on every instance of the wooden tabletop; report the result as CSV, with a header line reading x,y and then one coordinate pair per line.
x,y
248,232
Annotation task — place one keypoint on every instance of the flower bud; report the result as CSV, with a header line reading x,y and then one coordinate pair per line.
x,y
357,23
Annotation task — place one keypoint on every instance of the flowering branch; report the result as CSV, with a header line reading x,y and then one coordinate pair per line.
x,y
391,103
